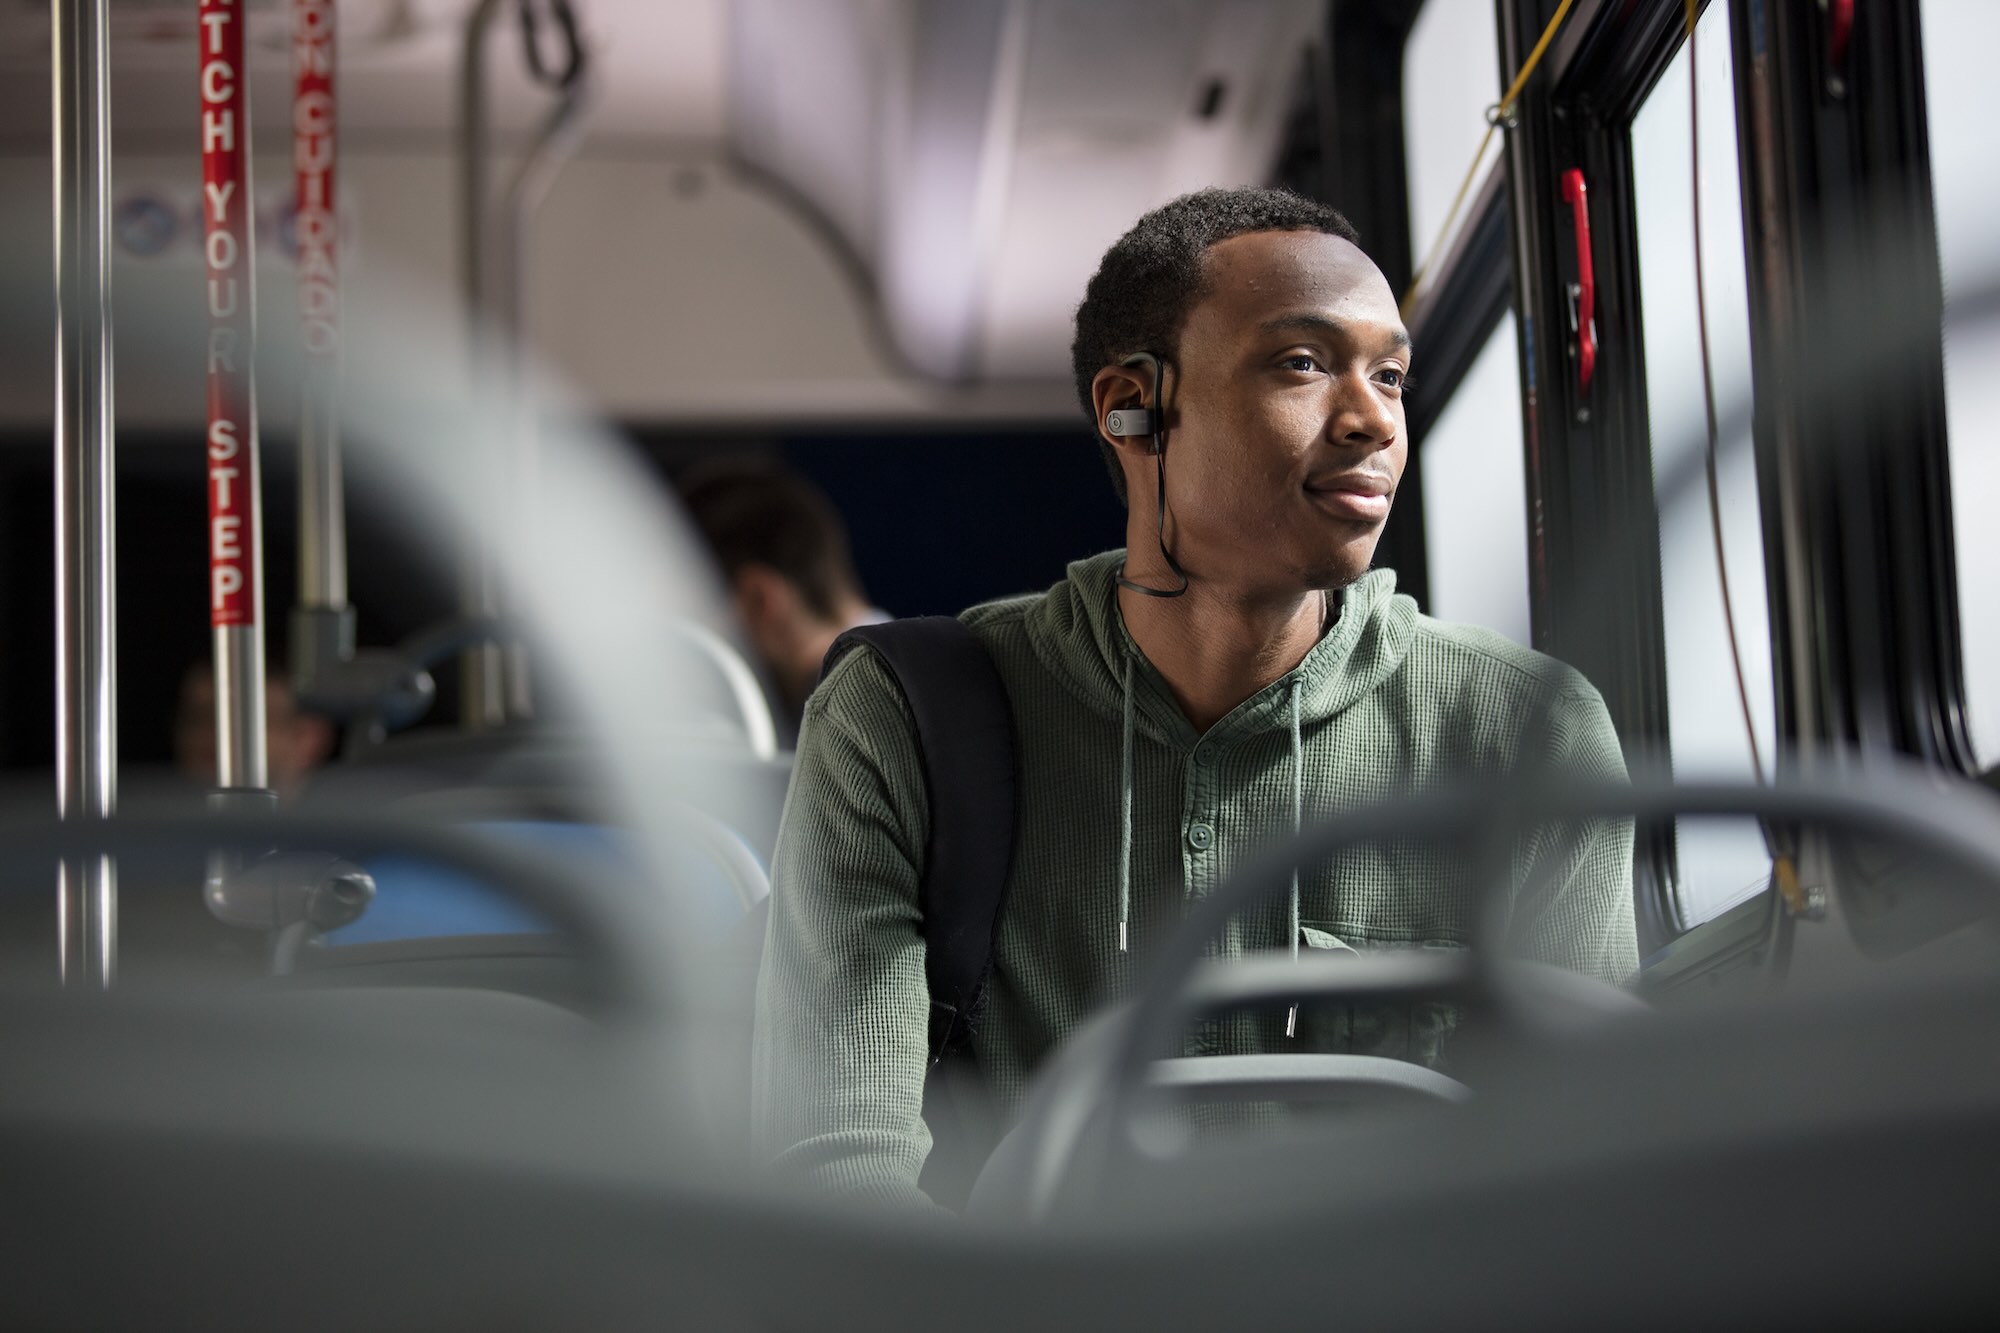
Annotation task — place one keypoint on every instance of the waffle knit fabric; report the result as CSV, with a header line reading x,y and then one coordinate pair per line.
x,y
1389,700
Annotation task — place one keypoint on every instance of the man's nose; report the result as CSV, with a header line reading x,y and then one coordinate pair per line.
x,y
1362,417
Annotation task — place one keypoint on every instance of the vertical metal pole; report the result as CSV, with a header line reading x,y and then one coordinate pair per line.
x,y
322,488
86,700
235,508
482,679
322,515
560,135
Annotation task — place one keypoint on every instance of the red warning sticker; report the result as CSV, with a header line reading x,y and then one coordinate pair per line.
x,y
315,224
225,211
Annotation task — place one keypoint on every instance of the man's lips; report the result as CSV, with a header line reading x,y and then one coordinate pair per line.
x,y
1358,495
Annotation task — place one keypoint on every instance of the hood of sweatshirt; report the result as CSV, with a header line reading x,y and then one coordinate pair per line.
x,y
1079,633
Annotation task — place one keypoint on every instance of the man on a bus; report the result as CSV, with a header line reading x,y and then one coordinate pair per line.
x,y
785,557
1236,668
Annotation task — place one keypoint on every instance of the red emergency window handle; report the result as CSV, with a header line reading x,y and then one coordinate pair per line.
x,y
1582,292
1839,31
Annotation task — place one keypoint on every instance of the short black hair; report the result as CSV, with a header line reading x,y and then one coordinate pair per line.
x,y
757,511
1149,280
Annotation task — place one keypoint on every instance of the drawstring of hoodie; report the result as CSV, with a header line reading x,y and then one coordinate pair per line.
x,y
1125,821
1298,820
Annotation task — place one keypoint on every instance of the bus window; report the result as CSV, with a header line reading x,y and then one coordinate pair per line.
x,y
1959,37
1720,864
1451,74
1476,495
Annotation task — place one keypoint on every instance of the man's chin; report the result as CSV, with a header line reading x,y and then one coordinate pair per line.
x,y
1344,567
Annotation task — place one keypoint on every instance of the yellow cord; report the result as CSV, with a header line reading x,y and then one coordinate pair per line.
x,y
1789,888
1494,118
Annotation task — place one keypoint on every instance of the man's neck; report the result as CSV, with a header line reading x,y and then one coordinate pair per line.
x,y
811,644
1214,648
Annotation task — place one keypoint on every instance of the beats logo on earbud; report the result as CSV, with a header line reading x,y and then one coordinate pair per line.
x,y
1129,421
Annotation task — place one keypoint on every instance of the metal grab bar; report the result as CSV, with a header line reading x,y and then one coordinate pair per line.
x,y
752,706
86,555
494,679
556,141
1371,1079
315,162
482,700
1958,826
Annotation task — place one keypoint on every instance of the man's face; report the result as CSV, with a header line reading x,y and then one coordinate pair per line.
x,y
296,742
1287,435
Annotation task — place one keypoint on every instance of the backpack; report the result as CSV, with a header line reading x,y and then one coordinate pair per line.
x,y
965,741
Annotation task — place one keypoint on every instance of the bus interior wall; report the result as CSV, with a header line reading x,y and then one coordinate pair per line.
x,y
941,521
938,522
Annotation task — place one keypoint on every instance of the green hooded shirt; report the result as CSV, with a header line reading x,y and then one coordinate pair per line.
x,y
1388,701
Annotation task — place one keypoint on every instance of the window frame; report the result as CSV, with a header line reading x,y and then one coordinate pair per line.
x,y
1863,577
1593,526
1864,624
1864,651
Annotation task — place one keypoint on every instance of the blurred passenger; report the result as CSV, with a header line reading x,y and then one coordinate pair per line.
x,y
1236,670
299,741
784,553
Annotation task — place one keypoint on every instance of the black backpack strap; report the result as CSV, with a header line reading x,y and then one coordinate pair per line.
x,y
965,739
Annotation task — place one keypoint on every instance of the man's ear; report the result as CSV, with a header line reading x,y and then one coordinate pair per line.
x,y
316,738
764,598
1123,387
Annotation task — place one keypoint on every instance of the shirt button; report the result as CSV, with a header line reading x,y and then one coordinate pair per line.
x,y
1205,758
1200,837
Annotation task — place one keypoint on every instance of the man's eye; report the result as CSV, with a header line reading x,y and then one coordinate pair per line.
x,y
1393,377
1300,362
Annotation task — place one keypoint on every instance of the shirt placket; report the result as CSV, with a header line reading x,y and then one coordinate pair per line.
x,y
1201,860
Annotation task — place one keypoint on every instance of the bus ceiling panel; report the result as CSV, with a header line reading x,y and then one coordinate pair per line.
x,y
654,294
658,66
808,89
979,158
160,31
1090,153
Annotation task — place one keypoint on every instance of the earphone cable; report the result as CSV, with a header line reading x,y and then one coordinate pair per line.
x,y
1159,422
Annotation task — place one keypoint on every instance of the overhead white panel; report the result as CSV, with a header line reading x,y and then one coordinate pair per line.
x,y
812,88
1015,141
1096,146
